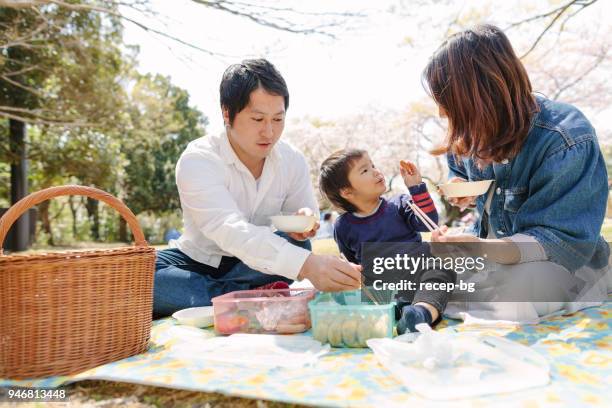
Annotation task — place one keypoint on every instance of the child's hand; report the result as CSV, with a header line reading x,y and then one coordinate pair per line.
x,y
410,173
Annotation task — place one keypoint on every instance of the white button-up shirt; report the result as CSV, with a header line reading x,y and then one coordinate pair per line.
x,y
226,211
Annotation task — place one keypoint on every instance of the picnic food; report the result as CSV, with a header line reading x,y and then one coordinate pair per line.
x,y
363,331
319,332
350,331
350,322
334,334
406,166
282,311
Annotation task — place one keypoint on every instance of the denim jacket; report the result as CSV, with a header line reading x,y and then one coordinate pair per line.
x,y
555,189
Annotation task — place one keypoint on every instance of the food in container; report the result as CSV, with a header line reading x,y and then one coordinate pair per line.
x,y
347,320
278,311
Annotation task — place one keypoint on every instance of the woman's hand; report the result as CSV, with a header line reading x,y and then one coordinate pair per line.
x,y
461,202
303,236
410,173
503,251
441,235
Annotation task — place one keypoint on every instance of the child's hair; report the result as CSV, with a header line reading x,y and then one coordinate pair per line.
x,y
334,177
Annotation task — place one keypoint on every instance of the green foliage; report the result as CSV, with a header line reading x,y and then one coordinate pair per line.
x,y
67,73
162,124
59,65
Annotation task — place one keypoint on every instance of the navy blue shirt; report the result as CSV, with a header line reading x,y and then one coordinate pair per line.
x,y
394,221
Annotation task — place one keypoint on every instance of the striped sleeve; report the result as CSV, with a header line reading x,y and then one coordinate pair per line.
x,y
421,197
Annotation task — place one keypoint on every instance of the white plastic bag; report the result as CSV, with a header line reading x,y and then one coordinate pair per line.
x,y
459,365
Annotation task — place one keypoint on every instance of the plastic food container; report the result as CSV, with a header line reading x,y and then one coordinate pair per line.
x,y
272,311
345,320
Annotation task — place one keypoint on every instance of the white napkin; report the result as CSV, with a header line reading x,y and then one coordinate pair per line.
x,y
253,350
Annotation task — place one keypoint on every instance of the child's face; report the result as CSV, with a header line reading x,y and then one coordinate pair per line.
x,y
366,180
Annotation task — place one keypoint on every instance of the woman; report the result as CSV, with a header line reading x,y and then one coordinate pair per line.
x,y
548,200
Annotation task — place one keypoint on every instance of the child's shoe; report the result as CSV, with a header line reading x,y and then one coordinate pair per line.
x,y
411,316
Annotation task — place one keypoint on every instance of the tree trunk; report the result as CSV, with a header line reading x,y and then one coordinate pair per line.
x,y
19,183
45,220
123,234
73,211
94,218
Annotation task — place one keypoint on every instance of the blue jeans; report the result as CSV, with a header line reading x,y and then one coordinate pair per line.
x,y
181,282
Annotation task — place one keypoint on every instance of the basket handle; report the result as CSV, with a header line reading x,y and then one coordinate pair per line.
x,y
33,199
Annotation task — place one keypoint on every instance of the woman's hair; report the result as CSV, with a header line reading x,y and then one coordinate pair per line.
x,y
479,83
334,177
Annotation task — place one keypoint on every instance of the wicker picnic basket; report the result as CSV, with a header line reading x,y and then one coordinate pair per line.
x,y
62,313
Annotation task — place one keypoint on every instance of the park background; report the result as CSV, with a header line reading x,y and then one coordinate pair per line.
x,y
108,94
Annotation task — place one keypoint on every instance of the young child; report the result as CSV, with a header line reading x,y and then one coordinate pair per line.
x,y
351,182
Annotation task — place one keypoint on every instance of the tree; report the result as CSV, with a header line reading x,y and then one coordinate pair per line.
x,y
57,66
53,54
566,50
162,124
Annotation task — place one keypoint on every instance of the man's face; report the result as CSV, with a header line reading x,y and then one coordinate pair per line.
x,y
366,180
257,127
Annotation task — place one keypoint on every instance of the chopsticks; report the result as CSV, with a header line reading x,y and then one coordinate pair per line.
x,y
364,288
431,226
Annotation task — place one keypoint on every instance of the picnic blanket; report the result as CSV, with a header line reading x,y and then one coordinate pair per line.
x,y
578,348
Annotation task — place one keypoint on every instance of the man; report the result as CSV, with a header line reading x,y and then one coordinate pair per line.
x,y
229,186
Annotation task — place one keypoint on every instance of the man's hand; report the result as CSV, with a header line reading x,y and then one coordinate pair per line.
x,y
303,236
410,173
331,274
461,202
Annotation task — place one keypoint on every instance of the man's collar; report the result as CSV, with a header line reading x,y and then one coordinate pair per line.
x,y
227,152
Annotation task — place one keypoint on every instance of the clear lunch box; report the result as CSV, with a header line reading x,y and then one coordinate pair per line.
x,y
347,320
278,311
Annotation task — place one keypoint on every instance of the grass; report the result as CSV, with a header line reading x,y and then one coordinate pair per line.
x,y
114,394
606,231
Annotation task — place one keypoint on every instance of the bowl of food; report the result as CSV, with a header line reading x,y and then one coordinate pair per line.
x,y
196,316
465,189
293,223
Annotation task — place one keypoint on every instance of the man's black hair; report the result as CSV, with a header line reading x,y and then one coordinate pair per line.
x,y
239,80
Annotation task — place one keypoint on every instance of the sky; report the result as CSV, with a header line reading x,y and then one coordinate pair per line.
x,y
373,63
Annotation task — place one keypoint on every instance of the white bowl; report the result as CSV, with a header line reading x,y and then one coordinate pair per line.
x,y
465,189
293,223
196,316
